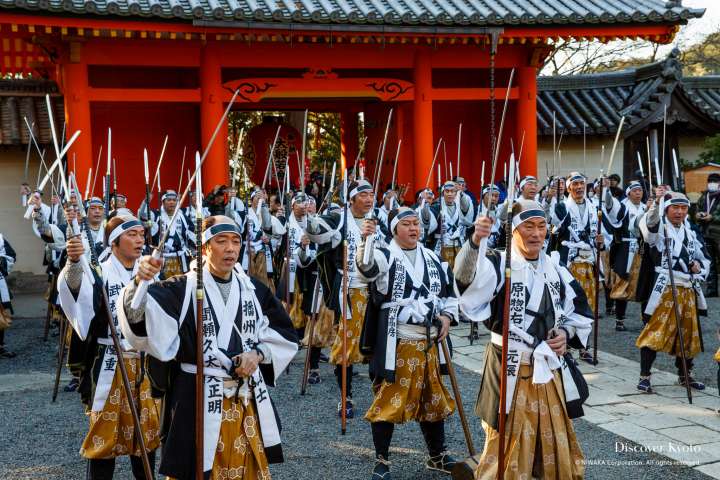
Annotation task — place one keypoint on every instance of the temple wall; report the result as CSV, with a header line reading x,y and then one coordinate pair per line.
x,y
13,226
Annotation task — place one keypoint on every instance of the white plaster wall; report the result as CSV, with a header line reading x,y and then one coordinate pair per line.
x,y
572,158
13,226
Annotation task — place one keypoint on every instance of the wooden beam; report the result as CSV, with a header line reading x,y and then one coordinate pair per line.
x,y
143,95
471,93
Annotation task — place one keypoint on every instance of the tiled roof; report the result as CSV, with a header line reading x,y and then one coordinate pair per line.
x,y
390,12
599,100
25,98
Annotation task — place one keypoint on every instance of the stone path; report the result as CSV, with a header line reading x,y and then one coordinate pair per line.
x,y
663,422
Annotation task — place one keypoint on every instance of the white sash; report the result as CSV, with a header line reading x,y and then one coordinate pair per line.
x,y
519,341
412,309
115,277
241,300
577,226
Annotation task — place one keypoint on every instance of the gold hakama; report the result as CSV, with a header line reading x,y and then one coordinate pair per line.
x,y
660,333
584,273
358,304
448,254
171,267
540,440
417,393
258,270
627,289
323,331
112,431
240,453
297,315
610,277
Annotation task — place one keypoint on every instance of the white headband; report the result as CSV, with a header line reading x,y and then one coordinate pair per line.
x,y
401,216
527,215
219,228
122,228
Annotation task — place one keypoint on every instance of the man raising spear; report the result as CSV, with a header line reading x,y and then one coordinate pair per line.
x,y
549,313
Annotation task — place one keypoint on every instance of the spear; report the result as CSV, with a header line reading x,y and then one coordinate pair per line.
x,y
302,159
87,184
496,151
432,167
182,167
142,286
148,234
642,173
344,310
107,175
157,173
115,182
199,331
376,179
585,151
457,169
271,160
505,328
668,259
663,140
97,169
370,240
445,163
27,155
397,157
678,177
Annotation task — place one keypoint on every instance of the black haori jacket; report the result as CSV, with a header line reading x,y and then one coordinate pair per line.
x,y
326,231
685,247
483,300
403,293
251,318
624,217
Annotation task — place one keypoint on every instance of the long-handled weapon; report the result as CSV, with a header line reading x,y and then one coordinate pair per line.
x,y
370,241
199,354
97,169
107,175
458,397
182,167
60,355
458,152
310,328
343,310
142,286
156,178
432,166
106,307
676,309
505,331
148,232
496,149
596,327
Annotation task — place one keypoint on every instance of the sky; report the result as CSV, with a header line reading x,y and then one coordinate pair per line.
x,y
698,29
695,31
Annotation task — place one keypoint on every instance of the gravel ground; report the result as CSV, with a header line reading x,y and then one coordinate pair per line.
x,y
41,439
623,343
